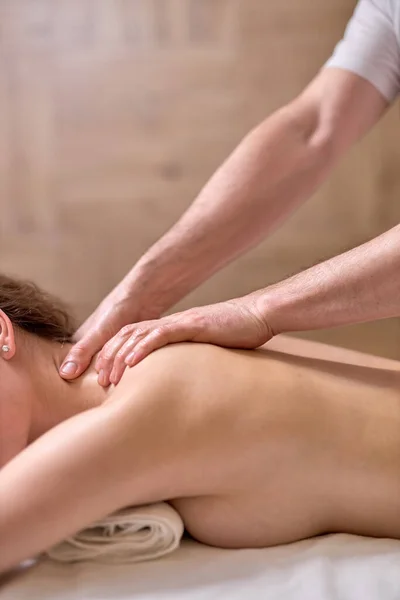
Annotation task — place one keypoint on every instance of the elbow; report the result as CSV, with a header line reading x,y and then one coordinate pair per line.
x,y
315,132
322,148
296,138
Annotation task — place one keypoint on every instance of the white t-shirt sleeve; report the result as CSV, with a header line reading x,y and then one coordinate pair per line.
x,y
370,47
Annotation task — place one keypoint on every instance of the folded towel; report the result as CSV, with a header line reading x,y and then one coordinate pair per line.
x,y
128,536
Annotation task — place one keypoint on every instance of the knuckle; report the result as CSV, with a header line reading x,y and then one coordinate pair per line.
x,y
80,350
198,319
120,355
107,354
138,329
127,329
162,330
110,343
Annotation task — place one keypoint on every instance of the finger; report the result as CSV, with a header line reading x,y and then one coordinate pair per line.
x,y
169,333
84,329
110,348
107,361
79,357
95,322
110,352
119,361
105,353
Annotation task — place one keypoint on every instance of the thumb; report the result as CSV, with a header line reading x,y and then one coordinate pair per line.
x,y
79,357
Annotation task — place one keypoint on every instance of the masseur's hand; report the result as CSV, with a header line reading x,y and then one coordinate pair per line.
x,y
115,311
234,324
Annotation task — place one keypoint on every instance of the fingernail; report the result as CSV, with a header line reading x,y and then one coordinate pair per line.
x,y
129,358
101,378
70,368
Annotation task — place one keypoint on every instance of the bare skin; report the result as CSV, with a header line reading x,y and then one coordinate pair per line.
x,y
275,169
253,448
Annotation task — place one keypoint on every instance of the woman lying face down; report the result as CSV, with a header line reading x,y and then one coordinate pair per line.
x,y
252,448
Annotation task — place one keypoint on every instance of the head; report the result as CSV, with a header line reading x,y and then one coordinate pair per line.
x,y
32,324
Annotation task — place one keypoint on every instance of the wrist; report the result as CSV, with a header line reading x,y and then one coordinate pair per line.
x,y
270,304
136,291
305,302
154,288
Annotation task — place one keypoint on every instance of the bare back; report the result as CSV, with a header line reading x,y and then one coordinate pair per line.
x,y
284,443
253,448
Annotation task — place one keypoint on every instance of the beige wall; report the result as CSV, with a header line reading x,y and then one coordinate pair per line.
x,y
114,113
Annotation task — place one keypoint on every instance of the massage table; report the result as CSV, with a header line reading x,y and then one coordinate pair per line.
x,y
332,567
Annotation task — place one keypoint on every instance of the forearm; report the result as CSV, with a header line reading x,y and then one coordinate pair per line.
x,y
78,472
95,463
57,485
357,286
275,167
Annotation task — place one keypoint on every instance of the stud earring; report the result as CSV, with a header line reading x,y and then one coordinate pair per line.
x,y
5,348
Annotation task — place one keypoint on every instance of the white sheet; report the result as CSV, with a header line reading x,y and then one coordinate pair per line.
x,y
336,567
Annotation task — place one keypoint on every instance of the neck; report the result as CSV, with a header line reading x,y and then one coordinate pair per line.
x,y
56,400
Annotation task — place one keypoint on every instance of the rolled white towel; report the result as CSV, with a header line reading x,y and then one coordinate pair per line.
x,y
127,536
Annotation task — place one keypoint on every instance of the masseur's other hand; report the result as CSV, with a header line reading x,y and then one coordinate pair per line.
x,y
115,311
234,324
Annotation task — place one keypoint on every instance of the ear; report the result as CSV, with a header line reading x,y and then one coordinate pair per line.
x,y
7,336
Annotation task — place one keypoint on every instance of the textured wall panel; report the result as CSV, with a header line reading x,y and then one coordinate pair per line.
x,y
113,114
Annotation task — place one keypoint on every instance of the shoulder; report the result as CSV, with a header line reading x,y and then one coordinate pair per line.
x,y
173,361
392,11
171,376
370,45
374,17
371,18
372,8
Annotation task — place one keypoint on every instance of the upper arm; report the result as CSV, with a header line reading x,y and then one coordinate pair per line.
x,y
357,84
89,466
78,472
344,106
370,47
